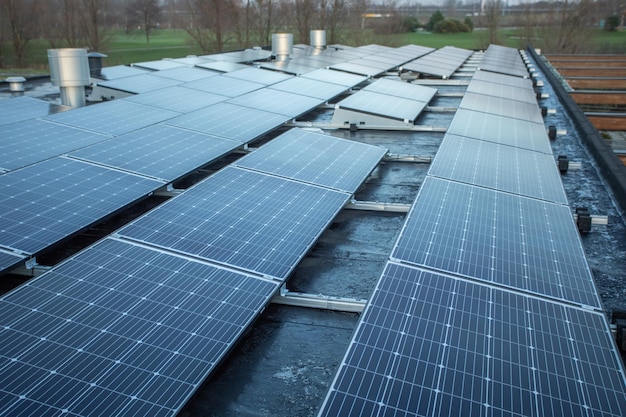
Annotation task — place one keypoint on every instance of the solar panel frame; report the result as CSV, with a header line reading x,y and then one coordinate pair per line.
x,y
500,129
316,159
18,109
499,167
114,118
521,243
277,101
161,151
35,140
247,220
241,124
49,201
135,330
431,345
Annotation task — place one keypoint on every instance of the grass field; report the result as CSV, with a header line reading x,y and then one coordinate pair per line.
x,y
128,48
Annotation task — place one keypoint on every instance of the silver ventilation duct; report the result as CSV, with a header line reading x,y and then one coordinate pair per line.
x,y
282,46
16,84
318,41
69,70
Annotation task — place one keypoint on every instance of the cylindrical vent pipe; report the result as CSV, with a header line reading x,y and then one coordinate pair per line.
x,y
69,69
16,84
318,39
282,46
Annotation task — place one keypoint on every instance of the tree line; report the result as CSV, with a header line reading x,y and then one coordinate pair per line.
x,y
214,25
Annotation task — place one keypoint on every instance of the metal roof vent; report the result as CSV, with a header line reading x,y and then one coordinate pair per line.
x,y
95,63
69,69
16,84
282,46
318,41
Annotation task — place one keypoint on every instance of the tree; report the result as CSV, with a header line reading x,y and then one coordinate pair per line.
x,y
211,22
612,23
21,16
146,13
567,27
493,10
434,19
304,13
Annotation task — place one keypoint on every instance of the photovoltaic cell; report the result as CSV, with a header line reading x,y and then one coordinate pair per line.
x,y
115,117
503,91
276,101
9,260
241,124
248,220
288,67
159,65
141,83
120,330
178,99
159,151
500,167
222,66
383,105
432,345
358,67
502,107
500,129
309,87
316,158
518,242
258,75
503,79
50,200
185,74
18,109
34,140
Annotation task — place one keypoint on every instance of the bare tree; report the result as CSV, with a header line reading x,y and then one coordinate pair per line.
x,y
304,13
493,11
145,13
22,25
568,27
212,23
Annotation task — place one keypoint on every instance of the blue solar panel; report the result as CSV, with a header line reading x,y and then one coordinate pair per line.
x,y
500,167
431,345
309,87
9,260
159,151
49,201
115,117
120,330
336,77
316,158
34,140
17,109
526,95
500,106
248,220
242,124
224,86
141,83
276,101
178,99
522,243
379,104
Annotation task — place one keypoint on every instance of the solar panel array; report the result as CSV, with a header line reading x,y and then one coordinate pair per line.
x,y
487,305
441,63
23,108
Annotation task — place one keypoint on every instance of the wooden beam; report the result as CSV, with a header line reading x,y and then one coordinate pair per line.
x,y
592,72
588,64
606,122
585,57
599,97
597,83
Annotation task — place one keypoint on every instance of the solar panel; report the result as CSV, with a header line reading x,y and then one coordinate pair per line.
x,y
50,200
402,89
503,91
141,83
241,124
500,129
431,345
159,65
9,260
518,242
34,140
258,75
224,86
503,79
336,77
185,74
310,87
192,60
222,66
115,117
316,158
248,220
502,107
121,71
120,330
178,99
277,101
499,167
356,67
18,109
288,67
383,105
160,151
